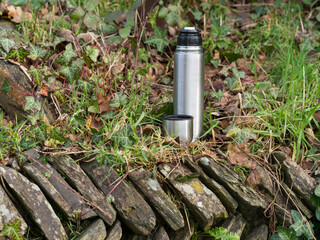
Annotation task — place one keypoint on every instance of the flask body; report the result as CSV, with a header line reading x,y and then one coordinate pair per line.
x,y
188,95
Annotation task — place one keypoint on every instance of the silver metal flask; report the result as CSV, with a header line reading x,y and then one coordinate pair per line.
x,y
189,78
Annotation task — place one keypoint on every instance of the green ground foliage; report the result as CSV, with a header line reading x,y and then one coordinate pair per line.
x,y
106,68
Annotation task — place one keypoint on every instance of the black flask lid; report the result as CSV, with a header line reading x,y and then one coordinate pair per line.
x,y
189,36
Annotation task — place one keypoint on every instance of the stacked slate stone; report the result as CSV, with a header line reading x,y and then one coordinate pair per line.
x,y
167,203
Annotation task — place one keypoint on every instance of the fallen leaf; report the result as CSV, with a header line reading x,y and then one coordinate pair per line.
x,y
218,85
172,31
104,103
44,90
239,155
88,123
254,178
5,123
87,37
67,35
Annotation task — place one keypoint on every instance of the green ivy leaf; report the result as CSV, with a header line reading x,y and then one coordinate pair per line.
x,y
91,21
69,53
69,72
52,2
93,53
31,104
318,213
172,18
7,44
241,135
197,15
36,52
158,39
36,4
317,191
12,230
237,73
113,16
300,225
315,201
6,86
91,5
163,12
284,234
77,13
18,2
124,32
231,82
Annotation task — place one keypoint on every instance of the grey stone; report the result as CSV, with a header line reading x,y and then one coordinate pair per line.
x,y
184,233
96,231
201,201
35,203
130,205
296,202
161,234
9,213
228,201
258,233
13,102
296,177
250,203
236,224
82,182
151,188
59,191
115,233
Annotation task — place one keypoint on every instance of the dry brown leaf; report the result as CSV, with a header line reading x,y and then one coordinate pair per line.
x,y
172,31
254,178
44,90
104,103
85,73
239,155
87,37
67,35
5,123
218,85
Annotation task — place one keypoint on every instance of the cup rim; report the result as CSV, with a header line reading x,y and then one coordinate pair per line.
x,y
177,117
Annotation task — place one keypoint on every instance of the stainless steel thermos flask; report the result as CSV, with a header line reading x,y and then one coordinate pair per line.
x,y
189,78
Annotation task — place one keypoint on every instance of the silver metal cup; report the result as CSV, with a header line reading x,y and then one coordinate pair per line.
x,y
178,126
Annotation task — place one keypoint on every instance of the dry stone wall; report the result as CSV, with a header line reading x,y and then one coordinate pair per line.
x,y
174,202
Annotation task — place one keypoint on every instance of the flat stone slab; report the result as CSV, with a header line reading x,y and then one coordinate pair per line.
x,y
184,233
201,201
151,188
58,192
161,234
250,204
96,230
236,224
9,213
31,197
115,233
296,177
82,182
260,233
130,205
225,197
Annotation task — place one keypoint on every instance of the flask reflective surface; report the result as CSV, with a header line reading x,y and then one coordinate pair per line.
x,y
188,96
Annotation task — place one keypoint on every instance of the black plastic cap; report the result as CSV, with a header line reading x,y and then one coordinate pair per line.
x,y
189,37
